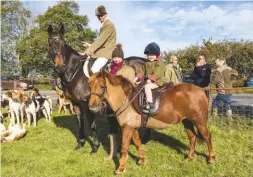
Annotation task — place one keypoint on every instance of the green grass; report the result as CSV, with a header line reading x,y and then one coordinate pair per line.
x,y
48,150
43,87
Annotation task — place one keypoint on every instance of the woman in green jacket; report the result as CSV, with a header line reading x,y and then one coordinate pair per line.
x,y
173,71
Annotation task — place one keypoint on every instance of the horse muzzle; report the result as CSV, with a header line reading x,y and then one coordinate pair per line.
x,y
94,107
58,61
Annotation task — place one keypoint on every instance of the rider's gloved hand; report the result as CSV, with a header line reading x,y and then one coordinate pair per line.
x,y
86,44
136,81
83,54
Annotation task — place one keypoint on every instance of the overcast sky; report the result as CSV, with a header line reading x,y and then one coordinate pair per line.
x,y
170,24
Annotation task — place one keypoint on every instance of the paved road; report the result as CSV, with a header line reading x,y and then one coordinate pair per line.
x,y
241,99
237,99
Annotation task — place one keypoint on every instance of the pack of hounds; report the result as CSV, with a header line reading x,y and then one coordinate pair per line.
x,y
27,108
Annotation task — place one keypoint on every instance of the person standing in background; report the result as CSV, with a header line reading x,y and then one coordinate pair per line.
x,y
173,72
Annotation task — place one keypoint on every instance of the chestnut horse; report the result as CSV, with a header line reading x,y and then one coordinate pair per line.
x,y
184,103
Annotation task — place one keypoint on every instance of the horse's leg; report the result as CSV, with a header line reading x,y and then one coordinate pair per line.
x,y
207,137
71,108
80,120
96,142
189,129
147,136
137,142
127,132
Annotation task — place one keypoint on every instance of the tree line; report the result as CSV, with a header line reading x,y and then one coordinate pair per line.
x,y
24,41
238,55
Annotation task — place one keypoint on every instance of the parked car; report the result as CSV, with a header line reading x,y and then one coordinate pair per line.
x,y
249,81
187,78
8,82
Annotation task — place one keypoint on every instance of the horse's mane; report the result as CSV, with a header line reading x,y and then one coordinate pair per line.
x,y
118,81
135,62
71,49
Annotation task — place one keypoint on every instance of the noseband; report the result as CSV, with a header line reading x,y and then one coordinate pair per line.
x,y
62,69
117,112
57,38
100,96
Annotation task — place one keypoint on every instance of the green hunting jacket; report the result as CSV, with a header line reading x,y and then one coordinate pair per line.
x,y
104,45
155,71
173,74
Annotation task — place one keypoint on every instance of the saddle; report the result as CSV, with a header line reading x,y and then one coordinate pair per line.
x,y
156,93
88,64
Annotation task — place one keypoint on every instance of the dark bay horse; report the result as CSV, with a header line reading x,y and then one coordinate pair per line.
x,y
184,103
74,82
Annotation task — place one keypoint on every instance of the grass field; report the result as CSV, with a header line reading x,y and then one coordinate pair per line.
x,y
48,150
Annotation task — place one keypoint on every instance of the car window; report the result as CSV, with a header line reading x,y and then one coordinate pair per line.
x,y
4,78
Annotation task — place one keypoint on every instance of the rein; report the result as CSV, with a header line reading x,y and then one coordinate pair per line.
x,y
76,69
117,113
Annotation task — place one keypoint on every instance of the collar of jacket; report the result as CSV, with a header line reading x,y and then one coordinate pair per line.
x,y
172,65
223,67
103,22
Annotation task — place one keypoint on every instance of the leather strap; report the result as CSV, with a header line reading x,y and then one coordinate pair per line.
x,y
144,120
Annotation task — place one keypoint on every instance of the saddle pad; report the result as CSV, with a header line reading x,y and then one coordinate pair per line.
x,y
85,68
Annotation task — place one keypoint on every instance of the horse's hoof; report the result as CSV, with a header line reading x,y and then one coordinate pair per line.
x,y
211,161
94,149
140,161
108,158
120,171
79,145
190,159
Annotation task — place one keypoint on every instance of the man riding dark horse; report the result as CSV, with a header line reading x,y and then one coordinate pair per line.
x,y
102,48
70,68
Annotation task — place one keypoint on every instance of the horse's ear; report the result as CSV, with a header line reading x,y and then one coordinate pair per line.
x,y
50,29
62,29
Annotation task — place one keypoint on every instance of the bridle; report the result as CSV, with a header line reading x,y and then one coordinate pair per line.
x,y
101,96
117,112
63,68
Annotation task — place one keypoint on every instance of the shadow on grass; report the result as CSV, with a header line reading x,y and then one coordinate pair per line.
x,y
70,122
67,121
173,143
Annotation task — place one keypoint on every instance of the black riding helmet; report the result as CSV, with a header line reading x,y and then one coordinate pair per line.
x,y
152,48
